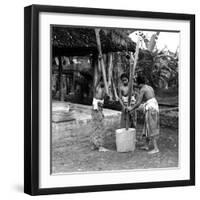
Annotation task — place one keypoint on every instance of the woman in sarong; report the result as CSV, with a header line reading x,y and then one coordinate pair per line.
x,y
98,130
151,111
123,95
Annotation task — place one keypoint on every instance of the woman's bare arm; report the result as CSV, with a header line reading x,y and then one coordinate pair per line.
x,y
138,102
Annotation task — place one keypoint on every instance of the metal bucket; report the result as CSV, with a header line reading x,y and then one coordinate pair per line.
x,y
125,139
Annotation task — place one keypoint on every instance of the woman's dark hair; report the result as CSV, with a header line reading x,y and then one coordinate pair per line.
x,y
124,76
140,80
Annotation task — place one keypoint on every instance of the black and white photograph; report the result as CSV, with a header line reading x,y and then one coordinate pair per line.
x,y
114,99
98,100
109,98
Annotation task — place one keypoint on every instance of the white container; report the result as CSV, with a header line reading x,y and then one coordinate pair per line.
x,y
125,139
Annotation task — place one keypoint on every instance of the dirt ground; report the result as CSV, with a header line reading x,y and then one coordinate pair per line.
x,y
72,152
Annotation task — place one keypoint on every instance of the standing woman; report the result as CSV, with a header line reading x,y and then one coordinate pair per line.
x,y
151,112
99,132
123,96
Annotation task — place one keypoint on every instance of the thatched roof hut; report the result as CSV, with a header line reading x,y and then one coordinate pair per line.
x,y
75,41
78,41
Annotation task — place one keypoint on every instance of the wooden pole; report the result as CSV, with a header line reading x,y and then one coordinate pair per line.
x,y
110,74
101,59
110,68
133,63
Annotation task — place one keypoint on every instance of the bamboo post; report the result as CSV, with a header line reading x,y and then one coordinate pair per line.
x,y
101,59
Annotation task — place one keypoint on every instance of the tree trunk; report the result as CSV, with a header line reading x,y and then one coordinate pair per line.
x,y
95,72
119,71
133,63
110,73
101,59
114,90
110,68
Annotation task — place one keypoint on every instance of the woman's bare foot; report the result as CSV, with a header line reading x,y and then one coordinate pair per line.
x,y
153,151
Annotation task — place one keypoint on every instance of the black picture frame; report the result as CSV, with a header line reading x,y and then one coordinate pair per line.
x,y
31,98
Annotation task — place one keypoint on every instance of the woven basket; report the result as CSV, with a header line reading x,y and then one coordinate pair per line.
x,y
125,139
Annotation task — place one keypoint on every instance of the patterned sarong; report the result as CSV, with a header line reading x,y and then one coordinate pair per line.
x,y
98,129
152,126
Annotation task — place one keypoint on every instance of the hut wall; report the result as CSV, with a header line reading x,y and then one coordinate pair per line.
x,y
71,76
